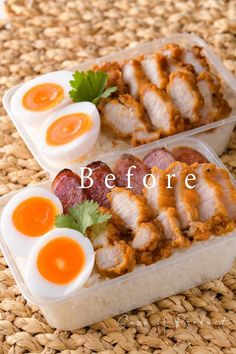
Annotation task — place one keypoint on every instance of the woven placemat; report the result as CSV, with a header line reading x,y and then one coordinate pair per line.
x,y
45,35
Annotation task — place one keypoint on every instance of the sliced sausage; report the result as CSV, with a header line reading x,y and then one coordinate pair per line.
x,y
188,155
98,191
136,174
160,158
67,187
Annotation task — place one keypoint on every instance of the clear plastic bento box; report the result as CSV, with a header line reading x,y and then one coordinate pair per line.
x,y
216,134
186,268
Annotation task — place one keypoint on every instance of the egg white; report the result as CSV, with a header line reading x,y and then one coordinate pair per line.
x,y
32,118
38,285
77,147
19,243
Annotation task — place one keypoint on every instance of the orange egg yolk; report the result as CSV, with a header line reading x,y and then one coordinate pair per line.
x,y
67,128
61,260
34,216
43,97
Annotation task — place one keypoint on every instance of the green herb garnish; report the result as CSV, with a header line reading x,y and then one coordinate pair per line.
x,y
81,216
90,86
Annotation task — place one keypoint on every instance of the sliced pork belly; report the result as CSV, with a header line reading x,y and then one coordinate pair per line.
x,y
155,68
179,65
228,190
209,83
208,89
123,115
157,194
147,237
103,235
150,244
114,72
172,228
161,201
141,137
209,191
186,199
184,92
213,212
161,111
133,76
172,51
222,107
149,257
195,57
129,207
115,259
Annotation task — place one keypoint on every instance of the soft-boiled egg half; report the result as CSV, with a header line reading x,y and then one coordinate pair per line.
x,y
28,216
70,132
37,98
59,263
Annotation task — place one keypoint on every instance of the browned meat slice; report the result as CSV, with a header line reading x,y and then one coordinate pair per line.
x,y
213,213
150,257
188,155
208,89
123,115
98,191
137,172
215,106
147,237
186,197
160,158
172,228
221,106
218,202
209,191
129,207
133,76
184,92
103,235
222,177
195,57
157,194
161,201
173,54
179,65
115,259
113,70
155,68
141,137
161,111
67,187
172,51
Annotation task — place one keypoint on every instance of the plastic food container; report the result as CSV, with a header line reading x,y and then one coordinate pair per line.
x,y
202,262
216,134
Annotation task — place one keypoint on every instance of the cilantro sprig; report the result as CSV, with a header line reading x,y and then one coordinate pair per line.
x,y
82,216
90,86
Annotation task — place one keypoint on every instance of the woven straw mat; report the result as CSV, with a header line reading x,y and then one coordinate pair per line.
x,y
46,35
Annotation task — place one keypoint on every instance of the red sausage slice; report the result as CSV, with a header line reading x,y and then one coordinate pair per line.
x,y
67,187
188,155
98,191
136,174
160,158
